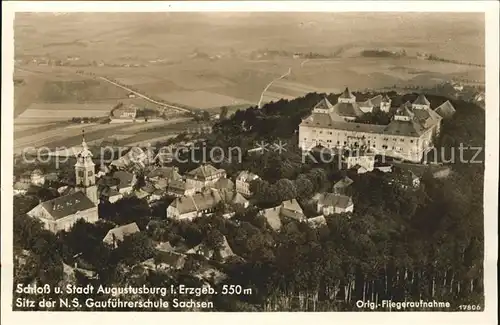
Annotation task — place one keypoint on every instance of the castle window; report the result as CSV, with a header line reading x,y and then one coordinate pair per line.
x,y
80,173
89,174
331,133
374,146
411,141
402,140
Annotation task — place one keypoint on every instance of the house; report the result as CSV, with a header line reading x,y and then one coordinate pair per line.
x,y
233,198
224,184
413,173
125,112
63,212
224,251
332,203
272,216
180,188
110,194
359,169
291,209
190,207
164,173
445,110
317,222
134,157
359,158
126,181
384,168
341,186
21,188
243,181
37,177
204,176
116,235
287,209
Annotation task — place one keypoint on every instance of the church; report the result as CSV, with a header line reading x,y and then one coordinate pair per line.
x,y
63,212
408,135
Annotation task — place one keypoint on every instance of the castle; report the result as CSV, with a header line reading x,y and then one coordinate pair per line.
x,y
408,135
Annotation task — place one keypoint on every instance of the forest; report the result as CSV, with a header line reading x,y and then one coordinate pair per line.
x,y
400,243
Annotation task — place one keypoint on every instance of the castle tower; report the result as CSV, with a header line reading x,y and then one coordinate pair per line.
x,y
347,97
85,173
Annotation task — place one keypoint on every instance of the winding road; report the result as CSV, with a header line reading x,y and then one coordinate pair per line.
x,y
270,84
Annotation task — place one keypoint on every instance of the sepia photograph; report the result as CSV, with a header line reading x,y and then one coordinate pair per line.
x,y
204,160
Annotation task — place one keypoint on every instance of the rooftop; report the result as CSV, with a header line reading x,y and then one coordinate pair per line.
x,y
118,233
66,205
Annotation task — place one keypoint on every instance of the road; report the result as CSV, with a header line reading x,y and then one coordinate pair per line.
x,y
149,99
270,84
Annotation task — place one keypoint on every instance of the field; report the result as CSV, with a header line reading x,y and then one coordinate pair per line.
x,y
201,99
174,58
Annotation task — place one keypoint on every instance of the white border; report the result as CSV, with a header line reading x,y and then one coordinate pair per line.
x,y
490,8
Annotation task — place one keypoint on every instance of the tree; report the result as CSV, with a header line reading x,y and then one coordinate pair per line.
x,y
223,113
135,248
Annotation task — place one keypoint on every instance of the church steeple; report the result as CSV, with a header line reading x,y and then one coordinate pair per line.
x,y
85,172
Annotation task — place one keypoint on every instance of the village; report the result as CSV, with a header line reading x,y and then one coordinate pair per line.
x,y
146,177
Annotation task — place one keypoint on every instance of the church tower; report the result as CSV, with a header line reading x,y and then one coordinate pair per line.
x,y
85,173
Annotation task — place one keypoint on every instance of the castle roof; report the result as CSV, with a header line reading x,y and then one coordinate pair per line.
x,y
347,110
346,94
324,104
386,98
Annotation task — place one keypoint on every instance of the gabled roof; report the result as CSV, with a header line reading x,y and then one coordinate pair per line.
x,y
64,206
124,178
343,183
272,216
170,258
421,100
367,103
204,171
385,99
118,233
197,202
336,200
224,184
291,209
346,94
445,110
376,100
232,197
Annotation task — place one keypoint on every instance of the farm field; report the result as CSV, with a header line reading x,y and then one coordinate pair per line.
x,y
201,99
59,111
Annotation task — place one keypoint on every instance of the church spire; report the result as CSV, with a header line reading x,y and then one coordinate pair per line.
x,y
84,144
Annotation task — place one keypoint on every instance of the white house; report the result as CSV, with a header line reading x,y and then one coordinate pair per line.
x,y
332,203
243,181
